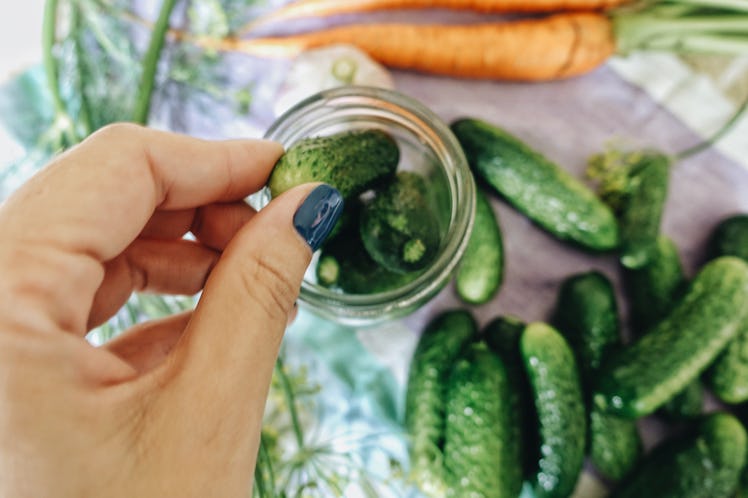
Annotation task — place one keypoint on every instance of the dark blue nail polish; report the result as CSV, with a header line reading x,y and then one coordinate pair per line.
x,y
317,215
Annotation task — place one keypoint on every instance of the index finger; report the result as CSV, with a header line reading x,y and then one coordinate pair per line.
x,y
96,198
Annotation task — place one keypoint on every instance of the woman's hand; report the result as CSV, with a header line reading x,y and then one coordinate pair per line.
x,y
173,407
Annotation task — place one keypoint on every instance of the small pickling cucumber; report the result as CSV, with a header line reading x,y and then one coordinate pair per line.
x,y
502,334
544,192
481,269
703,464
653,289
399,227
344,264
641,212
351,161
557,392
730,237
440,345
587,315
728,376
644,375
481,447
687,404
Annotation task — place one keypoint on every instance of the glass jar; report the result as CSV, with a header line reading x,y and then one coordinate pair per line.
x,y
428,147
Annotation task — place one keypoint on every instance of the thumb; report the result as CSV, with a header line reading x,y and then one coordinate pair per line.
x,y
239,322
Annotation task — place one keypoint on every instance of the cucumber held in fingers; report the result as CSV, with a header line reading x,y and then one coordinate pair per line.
x,y
351,161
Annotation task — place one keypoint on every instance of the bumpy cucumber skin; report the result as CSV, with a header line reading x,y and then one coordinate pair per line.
x,y
587,315
351,161
557,392
706,464
644,375
687,404
653,289
728,376
426,396
399,227
502,334
344,264
652,292
615,444
481,269
545,193
730,237
642,210
481,448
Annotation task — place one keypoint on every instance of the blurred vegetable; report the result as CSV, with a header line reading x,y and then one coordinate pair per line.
x,y
561,45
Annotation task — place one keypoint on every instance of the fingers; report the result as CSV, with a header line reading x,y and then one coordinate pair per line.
x,y
231,343
167,267
96,198
216,224
93,201
146,346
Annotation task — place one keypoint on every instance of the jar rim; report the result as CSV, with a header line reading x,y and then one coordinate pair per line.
x,y
434,134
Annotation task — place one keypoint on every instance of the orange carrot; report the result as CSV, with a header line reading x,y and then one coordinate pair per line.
x,y
318,8
557,46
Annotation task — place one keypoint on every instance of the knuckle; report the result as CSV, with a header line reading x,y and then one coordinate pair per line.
x,y
269,286
116,131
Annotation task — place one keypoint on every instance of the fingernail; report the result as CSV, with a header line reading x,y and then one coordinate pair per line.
x,y
317,215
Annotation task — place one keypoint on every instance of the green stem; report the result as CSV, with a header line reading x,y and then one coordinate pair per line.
x,y
51,69
739,5
150,63
673,28
290,401
724,129
85,111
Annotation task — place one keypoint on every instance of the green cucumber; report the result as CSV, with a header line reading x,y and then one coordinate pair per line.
x,y
351,161
544,192
730,237
587,315
481,447
728,376
704,464
345,265
399,227
426,396
644,375
642,208
687,404
614,445
557,393
481,269
653,289
502,334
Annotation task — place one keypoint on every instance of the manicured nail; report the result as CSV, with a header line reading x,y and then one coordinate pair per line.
x,y
317,215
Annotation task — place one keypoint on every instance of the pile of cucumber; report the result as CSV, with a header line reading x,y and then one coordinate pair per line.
x,y
510,406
